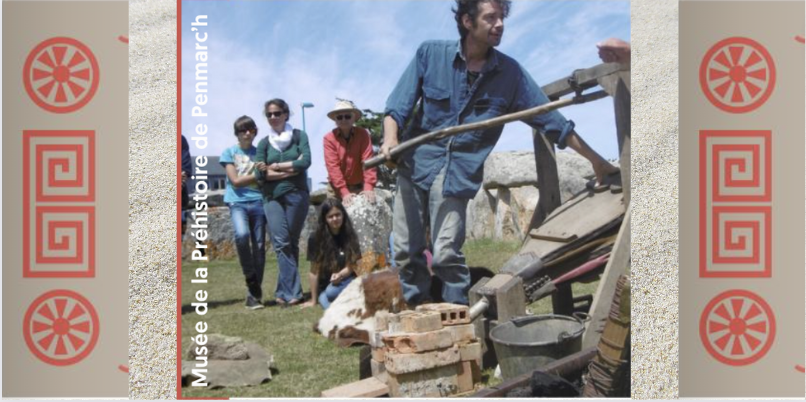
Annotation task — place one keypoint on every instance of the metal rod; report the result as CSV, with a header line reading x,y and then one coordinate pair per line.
x,y
496,121
479,308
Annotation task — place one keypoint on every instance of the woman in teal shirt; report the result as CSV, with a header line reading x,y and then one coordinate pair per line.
x,y
283,158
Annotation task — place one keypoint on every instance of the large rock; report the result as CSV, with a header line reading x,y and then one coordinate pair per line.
x,y
504,206
232,373
513,212
222,347
480,215
573,170
373,224
221,236
318,196
505,227
517,169
523,201
311,222
510,169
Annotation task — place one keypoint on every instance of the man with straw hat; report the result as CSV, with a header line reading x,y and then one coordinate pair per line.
x,y
346,149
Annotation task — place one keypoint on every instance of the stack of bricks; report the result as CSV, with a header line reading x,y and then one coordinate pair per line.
x,y
430,352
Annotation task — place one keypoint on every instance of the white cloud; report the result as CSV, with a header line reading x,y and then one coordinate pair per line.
x,y
313,51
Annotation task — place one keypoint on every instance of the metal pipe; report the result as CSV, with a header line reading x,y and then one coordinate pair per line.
x,y
479,308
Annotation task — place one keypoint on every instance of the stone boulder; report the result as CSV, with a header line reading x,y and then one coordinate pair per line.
x,y
220,235
255,369
373,224
318,196
222,347
504,206
517,169
481,214
510,169
574,171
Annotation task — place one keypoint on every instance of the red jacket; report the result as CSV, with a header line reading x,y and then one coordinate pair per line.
x,y
344,160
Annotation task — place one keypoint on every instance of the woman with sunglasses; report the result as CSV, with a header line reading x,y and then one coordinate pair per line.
x,y
283,158
346,149
244,200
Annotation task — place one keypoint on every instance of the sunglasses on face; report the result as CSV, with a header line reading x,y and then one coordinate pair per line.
x,y
274,114
344,117
244,132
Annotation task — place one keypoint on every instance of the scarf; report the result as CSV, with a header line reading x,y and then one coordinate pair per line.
x,y
281,141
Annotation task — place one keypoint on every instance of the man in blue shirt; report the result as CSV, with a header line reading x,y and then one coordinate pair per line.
x,y
458,83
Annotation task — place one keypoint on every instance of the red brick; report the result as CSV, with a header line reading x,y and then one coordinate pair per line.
x,y
402,363
470,351
451,314
420,322
433,383
465,379
378,354
419,341
462,333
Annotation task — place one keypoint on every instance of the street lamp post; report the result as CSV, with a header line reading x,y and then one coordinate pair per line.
x,y
304,105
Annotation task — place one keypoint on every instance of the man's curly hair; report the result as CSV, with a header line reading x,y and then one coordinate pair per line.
x,y
471,8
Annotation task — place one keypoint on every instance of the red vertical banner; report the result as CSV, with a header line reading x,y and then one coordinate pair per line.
x,y
65,170
742,137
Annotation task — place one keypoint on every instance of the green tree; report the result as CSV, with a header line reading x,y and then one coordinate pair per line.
x,y
373,122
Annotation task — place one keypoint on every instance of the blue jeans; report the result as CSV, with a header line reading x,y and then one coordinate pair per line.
x,y
286,216
332,291
249,224
447,236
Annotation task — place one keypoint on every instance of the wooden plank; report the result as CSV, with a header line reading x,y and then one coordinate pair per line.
x,y
585,78
548,180
367,388
618,265
510,299
580,216
618,86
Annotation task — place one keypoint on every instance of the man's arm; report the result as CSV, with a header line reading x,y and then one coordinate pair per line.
x,y
402,100
552,124
390,139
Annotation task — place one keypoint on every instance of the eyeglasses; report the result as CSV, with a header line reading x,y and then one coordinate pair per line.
x,y
344,117
274,114
244,132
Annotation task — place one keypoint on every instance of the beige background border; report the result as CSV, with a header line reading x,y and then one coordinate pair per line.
x,y
152,222
655,202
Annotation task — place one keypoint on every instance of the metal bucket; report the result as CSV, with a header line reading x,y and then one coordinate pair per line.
x,y
528,343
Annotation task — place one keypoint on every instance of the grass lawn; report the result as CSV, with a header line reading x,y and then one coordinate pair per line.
x,y
307,363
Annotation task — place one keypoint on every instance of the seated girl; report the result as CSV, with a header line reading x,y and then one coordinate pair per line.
x,y
334,253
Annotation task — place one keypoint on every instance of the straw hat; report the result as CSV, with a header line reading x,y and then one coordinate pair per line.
x,y
344,105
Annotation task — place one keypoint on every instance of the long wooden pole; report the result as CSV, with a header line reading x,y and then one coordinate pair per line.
x,y
496,121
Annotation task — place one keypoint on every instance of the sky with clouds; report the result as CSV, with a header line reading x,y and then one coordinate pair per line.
x,y
315,51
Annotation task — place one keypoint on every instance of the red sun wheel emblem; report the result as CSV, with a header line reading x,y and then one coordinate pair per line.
x,y
737,75
737,327
61,327
61,75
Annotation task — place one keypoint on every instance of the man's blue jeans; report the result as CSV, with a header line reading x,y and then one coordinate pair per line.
x,y
249,224
286,216
332,291
447,234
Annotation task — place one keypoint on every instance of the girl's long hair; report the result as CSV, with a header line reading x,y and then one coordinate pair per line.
x,y
327,249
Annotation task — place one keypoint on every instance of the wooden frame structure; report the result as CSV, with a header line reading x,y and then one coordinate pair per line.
x,y
614,78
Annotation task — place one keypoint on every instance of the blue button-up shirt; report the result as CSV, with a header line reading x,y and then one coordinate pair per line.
x,y
438,77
